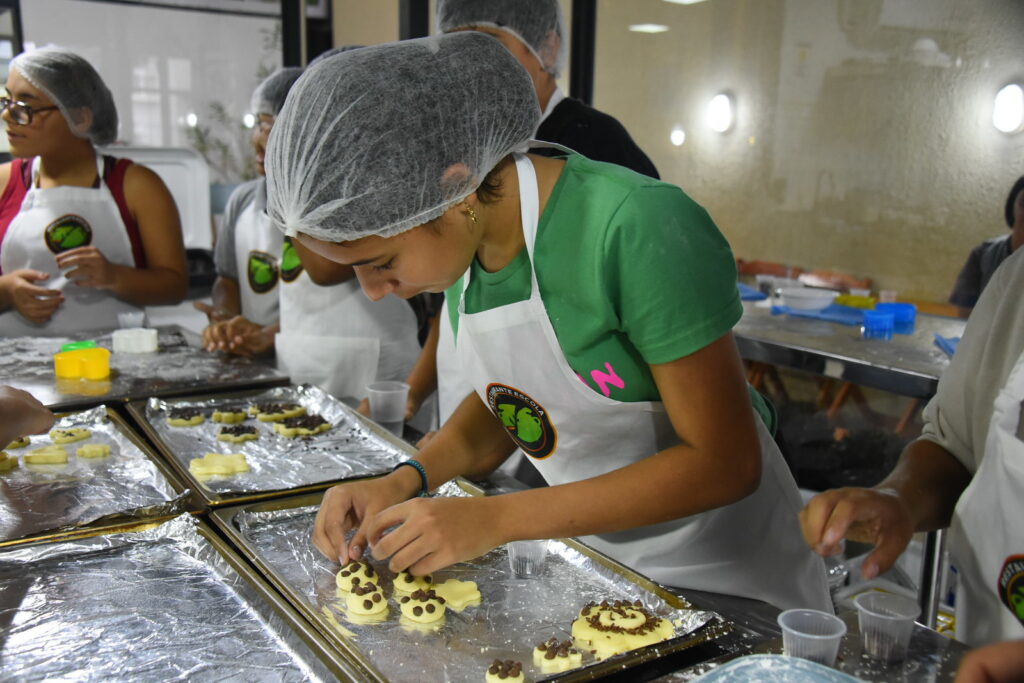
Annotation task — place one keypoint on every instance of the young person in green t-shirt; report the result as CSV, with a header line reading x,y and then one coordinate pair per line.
x,y
594,328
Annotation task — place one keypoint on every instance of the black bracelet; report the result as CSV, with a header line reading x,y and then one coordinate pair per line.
x,y
424,489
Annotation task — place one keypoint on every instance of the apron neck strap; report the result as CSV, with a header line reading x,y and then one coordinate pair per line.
x,y
37,160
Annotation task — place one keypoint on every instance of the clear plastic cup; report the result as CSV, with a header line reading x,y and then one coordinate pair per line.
x,y
887,295
886,622
527,558
811,634
131,319
387,404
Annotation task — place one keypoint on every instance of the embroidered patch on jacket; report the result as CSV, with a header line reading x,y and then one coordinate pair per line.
x,y
526,420
262,272
67,232
291,264
1011,585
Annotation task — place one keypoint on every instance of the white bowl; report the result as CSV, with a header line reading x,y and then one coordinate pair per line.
x,y
807,298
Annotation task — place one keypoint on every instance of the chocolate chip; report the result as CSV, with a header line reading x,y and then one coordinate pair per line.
x,y
376,597
428,578
405,600
367,604
430,608
346,573
417,610
550,654
409,578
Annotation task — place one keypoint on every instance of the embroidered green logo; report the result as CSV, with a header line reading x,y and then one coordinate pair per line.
x,y
67,232
291,265
262,272
1011,585
526,420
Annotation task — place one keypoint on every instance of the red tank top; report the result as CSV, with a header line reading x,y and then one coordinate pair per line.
x,y
113,176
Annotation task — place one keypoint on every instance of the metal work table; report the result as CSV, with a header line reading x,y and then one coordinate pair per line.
x,y
909,364
179,367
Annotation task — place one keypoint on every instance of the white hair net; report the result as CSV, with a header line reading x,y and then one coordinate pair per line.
x,y
538,24
269,96
73,85
379,140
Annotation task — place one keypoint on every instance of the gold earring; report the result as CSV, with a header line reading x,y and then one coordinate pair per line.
x,y
471,212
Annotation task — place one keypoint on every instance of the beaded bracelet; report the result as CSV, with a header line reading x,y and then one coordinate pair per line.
x,y
424,490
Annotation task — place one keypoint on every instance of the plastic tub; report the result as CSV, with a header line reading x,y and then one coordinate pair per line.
x,y
878,325
807,298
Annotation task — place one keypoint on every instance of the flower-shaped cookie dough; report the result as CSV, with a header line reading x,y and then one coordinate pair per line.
x,y
355,574
422,607
407,583
554,656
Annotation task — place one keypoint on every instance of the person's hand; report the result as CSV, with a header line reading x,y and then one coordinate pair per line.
x,y
213,314
348,506
21,414
35,303
88,267
431,533
997,663
872,516
239,336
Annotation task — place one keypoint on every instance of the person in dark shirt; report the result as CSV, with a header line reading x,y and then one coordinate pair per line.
x,y
986,257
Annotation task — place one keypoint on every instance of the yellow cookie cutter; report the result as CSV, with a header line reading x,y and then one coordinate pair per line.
x,y
91,363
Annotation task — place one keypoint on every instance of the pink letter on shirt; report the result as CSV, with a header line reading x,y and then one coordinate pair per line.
x,y
603,379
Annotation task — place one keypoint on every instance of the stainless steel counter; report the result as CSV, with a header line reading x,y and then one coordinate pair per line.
x,y
179,367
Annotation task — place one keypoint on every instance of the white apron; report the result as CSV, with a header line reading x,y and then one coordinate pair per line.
x,y
986,538
452,386
338,339
752,548
57,219
257,246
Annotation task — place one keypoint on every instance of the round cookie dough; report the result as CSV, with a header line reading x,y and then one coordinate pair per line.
x,y
238,433
458,595
407,583
302,425
366,600
185,417
355,574
554,656
422,607
47,455
504,672
69,435
275,412
219,463
612,628
7,462
93,450
19,443
229,417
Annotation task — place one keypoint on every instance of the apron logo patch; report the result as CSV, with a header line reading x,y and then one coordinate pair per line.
x,y
526,420
291,265
262,272
1011,585
67,232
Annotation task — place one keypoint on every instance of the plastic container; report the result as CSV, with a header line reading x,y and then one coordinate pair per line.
x,y
131,319
527,558
811,634
855,301
886,623
136,340
878,325
904,315
807,298
87,363
387,404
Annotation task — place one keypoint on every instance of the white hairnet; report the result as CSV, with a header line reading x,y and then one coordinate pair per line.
x,y
73,85
538,24
269,96
379,140
333,51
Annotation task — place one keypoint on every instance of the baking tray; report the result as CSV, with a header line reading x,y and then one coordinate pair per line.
x,y
513,616
353,448
180,367
129,485
152,601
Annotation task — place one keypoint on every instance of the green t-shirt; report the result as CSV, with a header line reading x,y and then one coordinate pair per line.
x,y
632,273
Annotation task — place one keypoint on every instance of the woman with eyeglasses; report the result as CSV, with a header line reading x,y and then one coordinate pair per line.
x,y
83,236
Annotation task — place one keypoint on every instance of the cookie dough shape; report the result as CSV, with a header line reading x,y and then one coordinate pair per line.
x,y
219,463
19,443
366,600
185,417
458,595
275,412
422,607
238,433
7,462
93,450
554,656
47,455
69,435
406,583
612,628
229,417
303,425
505,671
355,574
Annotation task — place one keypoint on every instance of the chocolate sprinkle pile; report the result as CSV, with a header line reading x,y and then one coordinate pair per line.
x,y
275,408
651,620
505,669
183,413
364,589
304,422
554,648
238,430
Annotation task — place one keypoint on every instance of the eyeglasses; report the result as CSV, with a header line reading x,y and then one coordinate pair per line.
x,y
22,113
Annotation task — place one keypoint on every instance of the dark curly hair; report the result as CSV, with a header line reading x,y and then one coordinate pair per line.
x,y
1008,211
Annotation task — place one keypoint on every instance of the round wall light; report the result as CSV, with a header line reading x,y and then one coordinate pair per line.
x,y
720,113
249,121
1008,112
677,136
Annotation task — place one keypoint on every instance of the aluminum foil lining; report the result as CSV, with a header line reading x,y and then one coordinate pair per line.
x,y
349,449
37,498
156,605
514,615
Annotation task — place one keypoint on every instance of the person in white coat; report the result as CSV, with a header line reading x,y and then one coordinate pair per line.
x,y
401,161
84,236
965,471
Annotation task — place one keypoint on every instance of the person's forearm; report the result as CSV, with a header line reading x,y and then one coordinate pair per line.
x,y
149,286
929,480
6,301
226,297
422,380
